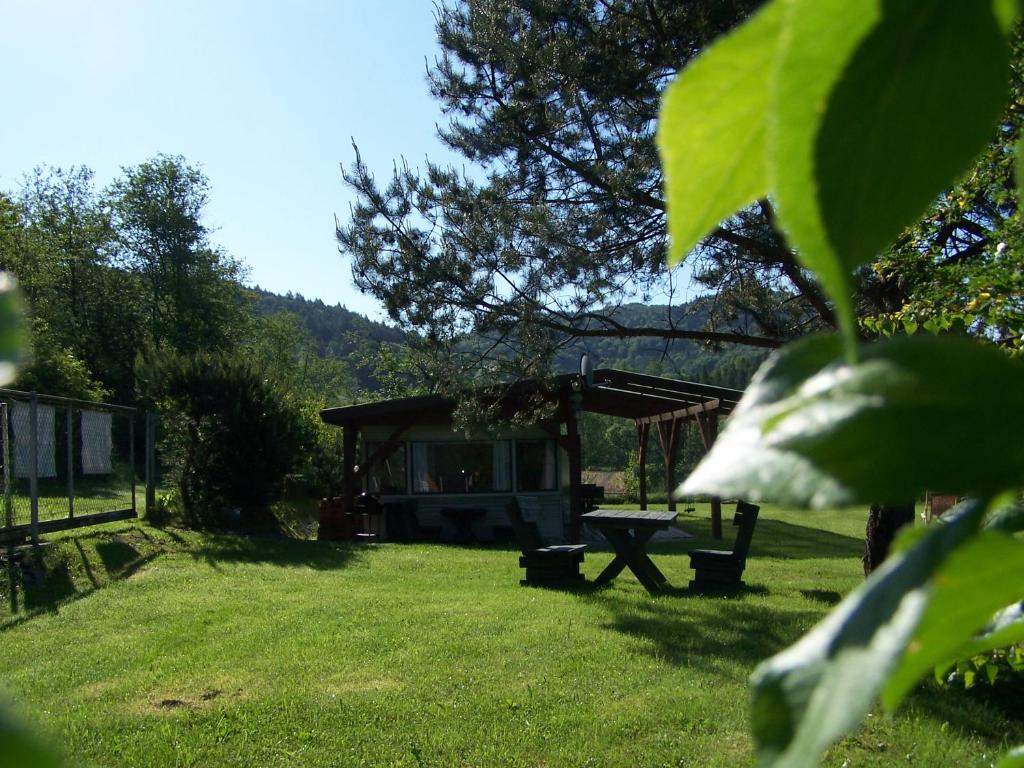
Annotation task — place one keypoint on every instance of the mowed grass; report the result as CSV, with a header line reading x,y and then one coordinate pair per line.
x,y
165,648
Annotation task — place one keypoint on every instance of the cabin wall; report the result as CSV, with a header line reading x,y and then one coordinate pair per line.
x,y
549,509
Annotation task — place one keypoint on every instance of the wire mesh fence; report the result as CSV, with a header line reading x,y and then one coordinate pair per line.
x,y
68,462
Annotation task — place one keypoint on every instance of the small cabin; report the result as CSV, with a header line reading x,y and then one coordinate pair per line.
x,y
407,456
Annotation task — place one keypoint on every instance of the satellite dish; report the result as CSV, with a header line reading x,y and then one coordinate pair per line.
x,y
586,369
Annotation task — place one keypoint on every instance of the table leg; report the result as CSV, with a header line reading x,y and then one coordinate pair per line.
x,y
629,553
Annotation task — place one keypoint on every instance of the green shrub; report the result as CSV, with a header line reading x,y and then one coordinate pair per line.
x,y
230,438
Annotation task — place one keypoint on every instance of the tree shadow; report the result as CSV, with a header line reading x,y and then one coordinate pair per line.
x,y
278,551
680,629
981,711
772,538
826,596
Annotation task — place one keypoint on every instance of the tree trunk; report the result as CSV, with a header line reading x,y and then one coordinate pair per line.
x,y
884,520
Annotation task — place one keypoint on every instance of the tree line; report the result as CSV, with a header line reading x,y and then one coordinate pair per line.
x,y
127,298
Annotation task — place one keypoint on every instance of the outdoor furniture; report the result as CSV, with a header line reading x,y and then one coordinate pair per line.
x,y
463,518
628,532
591,495
403,525
715,569
545,565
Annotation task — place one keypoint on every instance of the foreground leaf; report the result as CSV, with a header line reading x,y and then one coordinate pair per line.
x,y
711,131
814,430
1012,759
864,138
10,329
980,578
19,748
814,692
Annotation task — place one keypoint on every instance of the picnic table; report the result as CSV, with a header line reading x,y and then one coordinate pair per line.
x,y
628,531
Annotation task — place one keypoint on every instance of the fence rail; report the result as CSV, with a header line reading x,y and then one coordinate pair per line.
x,y
68,463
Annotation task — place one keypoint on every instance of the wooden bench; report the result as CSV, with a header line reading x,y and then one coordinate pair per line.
x,y
403,524
545,565
717,569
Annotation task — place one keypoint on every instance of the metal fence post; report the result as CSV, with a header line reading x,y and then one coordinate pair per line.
x,y
131,459
150,461
5,425
71,463
5,456
33,470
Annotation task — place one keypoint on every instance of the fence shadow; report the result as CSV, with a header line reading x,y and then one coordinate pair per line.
x,y
78,566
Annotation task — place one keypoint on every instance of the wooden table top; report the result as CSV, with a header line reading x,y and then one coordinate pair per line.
x,y
629,518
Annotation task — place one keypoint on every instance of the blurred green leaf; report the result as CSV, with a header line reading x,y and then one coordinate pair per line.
x,y
812,693
10,329
1005,629
711,131
981,577
820,38
1012,759
914,414
1007,519
863,137
19,748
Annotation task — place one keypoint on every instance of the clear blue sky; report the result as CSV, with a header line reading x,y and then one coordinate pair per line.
x,y
264,96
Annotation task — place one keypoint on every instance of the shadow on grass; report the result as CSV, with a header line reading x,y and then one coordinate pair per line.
x,y
685,627
772,538
278,551
79,566
981,711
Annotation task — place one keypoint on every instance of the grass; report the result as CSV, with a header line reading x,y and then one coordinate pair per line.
x,y
165,648
92,495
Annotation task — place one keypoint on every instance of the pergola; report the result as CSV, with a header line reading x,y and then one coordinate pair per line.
x,y
648,400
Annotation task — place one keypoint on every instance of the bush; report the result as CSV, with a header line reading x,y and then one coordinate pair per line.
x,y
231,437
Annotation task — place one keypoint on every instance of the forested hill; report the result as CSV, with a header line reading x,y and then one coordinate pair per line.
x,y
725,365
339,332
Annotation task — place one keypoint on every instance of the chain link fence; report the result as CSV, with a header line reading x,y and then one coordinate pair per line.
x,y
68,463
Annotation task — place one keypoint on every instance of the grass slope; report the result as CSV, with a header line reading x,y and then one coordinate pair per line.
x,y
162,648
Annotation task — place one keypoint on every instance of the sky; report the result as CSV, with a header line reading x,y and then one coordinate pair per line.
x,y
265,97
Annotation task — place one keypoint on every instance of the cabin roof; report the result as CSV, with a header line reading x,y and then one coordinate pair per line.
x,y
637,396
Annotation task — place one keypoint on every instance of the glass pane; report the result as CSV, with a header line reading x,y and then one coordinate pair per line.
x,y
461,467
388,475
535,465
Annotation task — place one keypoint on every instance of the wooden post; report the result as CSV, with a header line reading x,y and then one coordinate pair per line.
x,y
668,436
349,433
575,469
708,423
642,433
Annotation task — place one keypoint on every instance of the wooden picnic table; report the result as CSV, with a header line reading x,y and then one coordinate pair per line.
x,y
628,531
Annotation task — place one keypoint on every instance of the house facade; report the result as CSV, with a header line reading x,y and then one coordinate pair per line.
x,y
406,452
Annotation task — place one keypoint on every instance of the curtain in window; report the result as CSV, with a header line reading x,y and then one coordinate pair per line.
x,y
549,481
420,470
502,466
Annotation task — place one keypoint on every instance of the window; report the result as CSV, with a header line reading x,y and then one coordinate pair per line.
x,y
387,475
535,465
475,467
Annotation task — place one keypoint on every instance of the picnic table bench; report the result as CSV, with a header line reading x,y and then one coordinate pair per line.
x,y
715,568
545,565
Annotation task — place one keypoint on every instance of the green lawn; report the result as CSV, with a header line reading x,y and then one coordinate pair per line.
x,y
173,649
